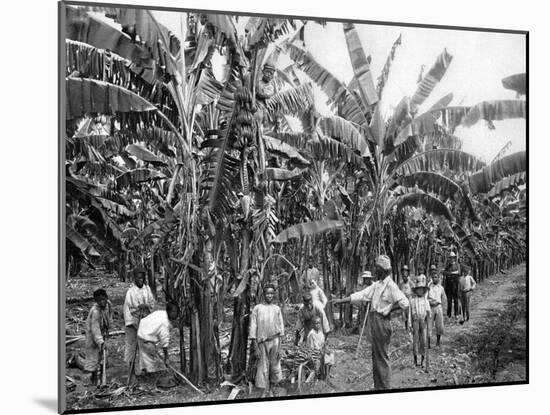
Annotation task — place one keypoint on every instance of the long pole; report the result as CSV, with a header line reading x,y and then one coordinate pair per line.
x,y
184,378
133,364
426,348
362,330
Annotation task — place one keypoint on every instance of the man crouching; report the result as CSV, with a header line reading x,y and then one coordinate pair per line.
x,y
154,330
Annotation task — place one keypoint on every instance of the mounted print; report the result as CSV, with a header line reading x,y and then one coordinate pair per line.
x,y
270,207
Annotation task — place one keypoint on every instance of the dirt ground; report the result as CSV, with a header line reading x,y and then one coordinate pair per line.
x,y
491,347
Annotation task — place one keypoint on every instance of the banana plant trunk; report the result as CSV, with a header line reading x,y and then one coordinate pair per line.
x,y
241,312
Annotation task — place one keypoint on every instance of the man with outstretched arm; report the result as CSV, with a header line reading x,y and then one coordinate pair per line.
x,y
384,296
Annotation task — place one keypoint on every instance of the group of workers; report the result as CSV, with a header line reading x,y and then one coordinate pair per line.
x,y
145,330
420,300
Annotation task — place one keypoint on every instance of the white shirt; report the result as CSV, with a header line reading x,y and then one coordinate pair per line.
x,y
134,297
266,321
155,328
315,340
382,295
317,294
436,294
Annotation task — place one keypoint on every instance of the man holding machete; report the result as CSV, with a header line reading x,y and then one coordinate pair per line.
x,y
385,297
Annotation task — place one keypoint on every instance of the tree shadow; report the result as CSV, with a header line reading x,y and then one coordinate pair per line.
x,y
48,403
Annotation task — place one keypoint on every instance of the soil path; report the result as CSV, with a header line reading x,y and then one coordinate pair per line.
x,y
455,362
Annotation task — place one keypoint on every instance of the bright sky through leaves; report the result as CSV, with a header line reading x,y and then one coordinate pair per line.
x,y
480,61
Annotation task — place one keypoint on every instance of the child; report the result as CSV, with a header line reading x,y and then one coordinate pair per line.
x,y
466,285
316,339
436,297
420,314
97,328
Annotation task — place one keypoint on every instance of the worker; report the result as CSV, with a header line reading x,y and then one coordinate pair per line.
x,y
138,303
266,330
385,297
97,329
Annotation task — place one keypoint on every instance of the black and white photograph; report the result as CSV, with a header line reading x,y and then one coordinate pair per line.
x,y
268,207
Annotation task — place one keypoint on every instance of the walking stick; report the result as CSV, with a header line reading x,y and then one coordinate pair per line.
x,y
362,329
133,364
104,366
426,348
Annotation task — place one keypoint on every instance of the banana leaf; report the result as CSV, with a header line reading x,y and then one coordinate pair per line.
x,y
284,150
482,180
495,111
144,154
383,78
431,79
360,64
337,92
432,182
422,200
345,131
281,174
87,95
439,160
138,176
307,229
517,82
507,183
80,242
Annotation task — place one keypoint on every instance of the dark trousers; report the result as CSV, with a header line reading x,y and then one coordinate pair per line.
x,y
380,335
451,289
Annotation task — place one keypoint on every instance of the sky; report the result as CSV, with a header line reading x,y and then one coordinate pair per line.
x,y
480,61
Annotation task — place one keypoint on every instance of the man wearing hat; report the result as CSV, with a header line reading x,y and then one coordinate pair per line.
x,y
309,310
384,296
420,316
406,287
266,87
451,275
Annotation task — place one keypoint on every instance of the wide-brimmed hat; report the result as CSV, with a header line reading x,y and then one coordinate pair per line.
x,y
383,261
420,283
366,274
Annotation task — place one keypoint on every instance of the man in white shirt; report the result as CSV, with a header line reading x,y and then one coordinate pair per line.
x,y
384,296
154,330
139,302
266,329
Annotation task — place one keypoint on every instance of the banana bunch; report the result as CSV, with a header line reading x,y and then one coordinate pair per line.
x,y
245,128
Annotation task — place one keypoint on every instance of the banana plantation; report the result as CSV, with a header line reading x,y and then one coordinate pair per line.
x,y
203,155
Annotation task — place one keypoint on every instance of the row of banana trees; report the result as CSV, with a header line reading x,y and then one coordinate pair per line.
x,y
170,165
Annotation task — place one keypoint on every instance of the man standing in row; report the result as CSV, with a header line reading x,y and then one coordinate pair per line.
x,y
451,275
384,296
